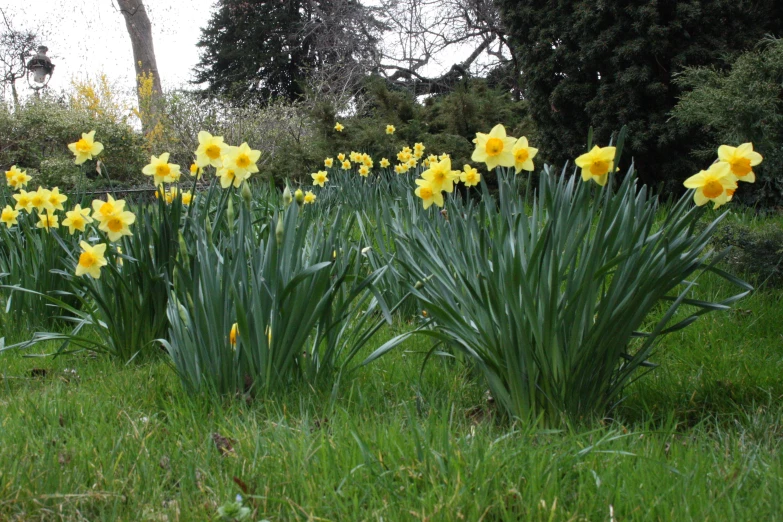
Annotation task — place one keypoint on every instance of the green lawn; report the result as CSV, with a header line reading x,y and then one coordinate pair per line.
x,y
84,438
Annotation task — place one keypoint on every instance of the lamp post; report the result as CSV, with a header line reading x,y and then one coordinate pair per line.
x,y
40,67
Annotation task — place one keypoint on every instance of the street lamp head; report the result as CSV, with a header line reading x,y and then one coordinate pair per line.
x,y
41,67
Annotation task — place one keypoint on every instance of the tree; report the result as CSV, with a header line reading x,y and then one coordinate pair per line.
x,y
267,48
16,47
140,31
424,31
606,64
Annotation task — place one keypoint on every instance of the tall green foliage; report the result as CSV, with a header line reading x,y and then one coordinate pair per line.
x,y
608,64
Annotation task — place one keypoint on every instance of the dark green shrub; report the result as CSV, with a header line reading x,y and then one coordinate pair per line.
x,y
756,250
444,123
36,136
742,104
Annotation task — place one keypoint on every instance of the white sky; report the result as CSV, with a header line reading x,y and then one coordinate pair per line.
x,y
88,37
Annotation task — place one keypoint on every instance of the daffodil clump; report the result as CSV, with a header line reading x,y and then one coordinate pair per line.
x,y
46,206
16,178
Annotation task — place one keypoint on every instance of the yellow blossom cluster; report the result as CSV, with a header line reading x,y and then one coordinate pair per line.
x,y
409,158
172,193
43,202
719,182
16,178
111,216
497,149
233,164
440,178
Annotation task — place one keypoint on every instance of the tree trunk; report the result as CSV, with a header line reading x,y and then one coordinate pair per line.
x,y
140,32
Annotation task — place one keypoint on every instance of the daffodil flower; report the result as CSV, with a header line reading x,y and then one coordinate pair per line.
x,y
596,164
494,149
86,148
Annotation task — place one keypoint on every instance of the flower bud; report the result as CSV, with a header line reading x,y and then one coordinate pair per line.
x,y
419,285
230,212
287,196
247,195
208,229
299,196
279,230
183,248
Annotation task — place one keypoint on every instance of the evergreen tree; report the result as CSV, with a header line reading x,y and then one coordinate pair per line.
x,y
266,48
609,63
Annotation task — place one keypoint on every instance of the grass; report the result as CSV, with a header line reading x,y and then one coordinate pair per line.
x,y
84,438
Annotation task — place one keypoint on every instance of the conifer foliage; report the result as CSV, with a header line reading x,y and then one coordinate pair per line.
x,y
607,64
263,49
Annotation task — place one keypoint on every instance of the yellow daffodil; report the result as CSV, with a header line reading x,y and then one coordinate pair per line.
x,y
428,195
470,176
384,163
340,157
187,198
161,170
117,225
319,178
741,159
367,161
232,336
40,200
494,148
346,165
86,148
171,195
328,162
103,210
210,150
309,197
20,180
57,199
355,156
16,178
440,176
403,156
412,163
364,171
402,168
196,171
596,164
339,127
390,129
523,155
48,221
8,216
231,176
77,219
418,150
12,172
24,201
91,260
713,184
243,159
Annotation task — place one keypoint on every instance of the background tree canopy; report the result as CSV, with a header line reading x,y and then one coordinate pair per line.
x,y
607,64
265,48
